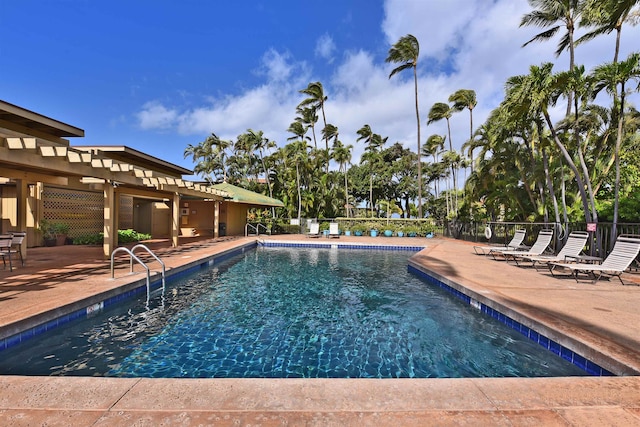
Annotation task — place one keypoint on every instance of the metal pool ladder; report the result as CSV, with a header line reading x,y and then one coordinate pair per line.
x,y
256,229
142,263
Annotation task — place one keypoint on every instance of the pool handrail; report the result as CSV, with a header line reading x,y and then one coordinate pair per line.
x,y
142,263
256,229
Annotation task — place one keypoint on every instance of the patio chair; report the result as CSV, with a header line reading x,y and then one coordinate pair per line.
x,y
539,247
6,240
624,252
515,243
314,230
334,231
573,247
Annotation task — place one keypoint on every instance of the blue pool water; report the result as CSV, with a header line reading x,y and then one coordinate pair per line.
x,y
277,313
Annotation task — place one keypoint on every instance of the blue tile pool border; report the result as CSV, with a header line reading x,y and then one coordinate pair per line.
x,y
551,345
87,311
339,245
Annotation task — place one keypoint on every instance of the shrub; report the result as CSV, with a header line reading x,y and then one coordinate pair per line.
x,y
124,237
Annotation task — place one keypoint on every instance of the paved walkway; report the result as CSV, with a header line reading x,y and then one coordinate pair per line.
x,y
603,317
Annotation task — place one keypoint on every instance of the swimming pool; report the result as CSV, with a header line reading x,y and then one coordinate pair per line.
x,y
278,313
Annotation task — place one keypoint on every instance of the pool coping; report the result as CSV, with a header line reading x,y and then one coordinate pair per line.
x,y
585,400
572,350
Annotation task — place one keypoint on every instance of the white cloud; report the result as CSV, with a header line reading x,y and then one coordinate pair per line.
x,y
154,115
325,47
464,44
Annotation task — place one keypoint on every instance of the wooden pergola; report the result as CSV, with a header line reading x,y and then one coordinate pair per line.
x,y
34,152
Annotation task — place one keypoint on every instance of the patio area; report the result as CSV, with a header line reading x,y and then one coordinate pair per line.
x,y
601,319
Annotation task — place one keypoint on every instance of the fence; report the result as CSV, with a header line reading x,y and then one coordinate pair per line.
x,y
599,244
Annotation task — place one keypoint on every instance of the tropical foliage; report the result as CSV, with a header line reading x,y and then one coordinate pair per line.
x,y
523,162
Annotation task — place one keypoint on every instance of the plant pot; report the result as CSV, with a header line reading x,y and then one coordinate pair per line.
x,y
400,233
50,242
388,233
429,235
347,232
61,240
358,233
411,234
373,233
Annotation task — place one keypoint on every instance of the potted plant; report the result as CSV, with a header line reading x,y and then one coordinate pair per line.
x,y
324,228
412,230
400,230
373,229
347,230
358,229
53,233
61,230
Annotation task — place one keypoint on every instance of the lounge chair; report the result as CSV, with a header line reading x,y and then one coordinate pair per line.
x,y
624,252
314,230
334,231
515,243
572,248
6,240
539,247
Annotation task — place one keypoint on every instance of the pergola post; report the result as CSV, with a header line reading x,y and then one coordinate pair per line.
x,y
110,229
175,220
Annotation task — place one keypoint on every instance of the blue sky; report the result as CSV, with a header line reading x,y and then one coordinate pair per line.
x,y
159,75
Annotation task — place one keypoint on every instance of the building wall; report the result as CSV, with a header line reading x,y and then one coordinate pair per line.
x,y
197,215
235,217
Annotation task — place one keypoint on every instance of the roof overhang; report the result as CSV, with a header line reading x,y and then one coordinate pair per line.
x,y
137,158
28,122
241,195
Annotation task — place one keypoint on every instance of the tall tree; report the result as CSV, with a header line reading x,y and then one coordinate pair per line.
x,y
316,99
466,98
308,118
342,155
610,77
538,91
606,16
439,111
405,52
554,14
210,156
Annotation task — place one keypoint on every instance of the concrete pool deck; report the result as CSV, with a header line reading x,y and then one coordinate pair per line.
x,y
602,318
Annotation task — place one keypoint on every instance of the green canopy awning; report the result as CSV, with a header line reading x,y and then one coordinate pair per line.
x,y
240,195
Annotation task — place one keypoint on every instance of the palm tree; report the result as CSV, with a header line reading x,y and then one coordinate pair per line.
x,y
298,130
406,51
537,92
316,99
609,77
434,144
553,14
606,16
308,118
342,155
466,98
210,155
439,111
260,143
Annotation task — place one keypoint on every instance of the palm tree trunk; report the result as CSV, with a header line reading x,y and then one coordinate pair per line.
x,y
299,194
415,84
572,166
614,228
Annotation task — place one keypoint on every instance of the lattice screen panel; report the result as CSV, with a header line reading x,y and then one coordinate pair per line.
x,y
125,215
81,210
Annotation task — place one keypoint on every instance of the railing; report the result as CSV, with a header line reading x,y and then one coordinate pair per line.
x,y
256,229
599,244
142,263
